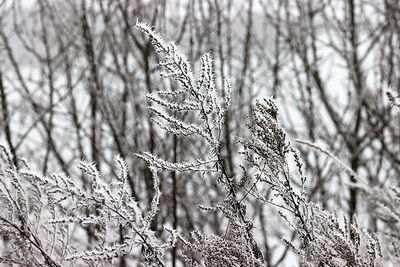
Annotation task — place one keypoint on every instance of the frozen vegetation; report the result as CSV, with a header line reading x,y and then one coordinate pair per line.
x,y
119,148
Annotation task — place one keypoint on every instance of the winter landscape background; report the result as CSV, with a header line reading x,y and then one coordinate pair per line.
x,y
271,137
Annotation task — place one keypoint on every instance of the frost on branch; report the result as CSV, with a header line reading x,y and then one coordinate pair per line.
x,y
43,218
196,166
199,96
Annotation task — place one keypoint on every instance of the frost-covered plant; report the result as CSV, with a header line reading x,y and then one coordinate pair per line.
x,y
339,243
267,152
323,239
200,97
42,218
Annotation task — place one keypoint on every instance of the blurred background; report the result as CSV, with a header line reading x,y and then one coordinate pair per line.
x,y
74,77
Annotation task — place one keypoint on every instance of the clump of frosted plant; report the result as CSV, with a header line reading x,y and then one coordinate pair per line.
x,y
324,239
339,243
236,248
200,97
26,201
385,204
342,243
266,152
42,218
